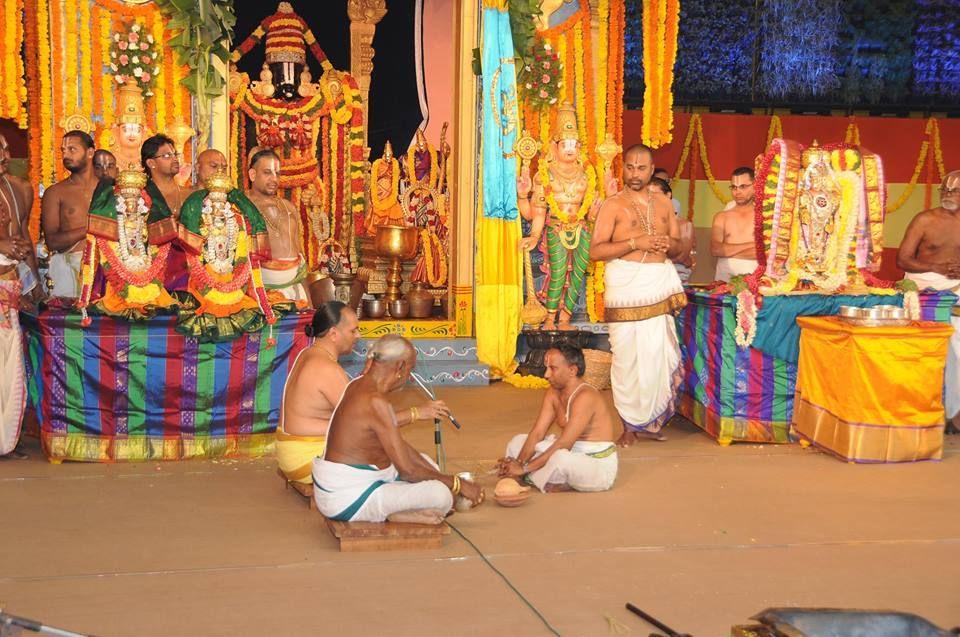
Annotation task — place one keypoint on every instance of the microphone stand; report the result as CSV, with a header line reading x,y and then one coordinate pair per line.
x,y
437,438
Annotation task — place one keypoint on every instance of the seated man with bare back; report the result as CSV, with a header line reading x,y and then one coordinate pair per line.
x,y
314,386
584,457
369,473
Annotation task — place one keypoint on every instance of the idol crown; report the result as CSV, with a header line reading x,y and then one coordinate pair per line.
x,y
131,179
219,182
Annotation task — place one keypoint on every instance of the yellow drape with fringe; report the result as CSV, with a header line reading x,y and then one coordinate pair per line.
x,y
871,394
499,292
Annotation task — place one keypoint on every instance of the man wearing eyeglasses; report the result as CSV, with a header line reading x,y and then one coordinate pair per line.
x,y
161,160
930,256
732,239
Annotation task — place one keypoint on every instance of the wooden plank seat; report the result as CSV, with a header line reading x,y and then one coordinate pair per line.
x,y
303,490
386,536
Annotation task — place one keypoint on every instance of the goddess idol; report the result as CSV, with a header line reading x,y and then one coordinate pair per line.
x,y
128,240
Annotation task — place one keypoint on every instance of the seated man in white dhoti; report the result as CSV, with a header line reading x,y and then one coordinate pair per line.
x,y
636,234
583,457
64,210
368,472
930,256
287,267
732,239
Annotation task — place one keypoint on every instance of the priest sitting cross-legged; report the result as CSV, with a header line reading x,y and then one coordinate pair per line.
x,y
314,386
584,457
369,473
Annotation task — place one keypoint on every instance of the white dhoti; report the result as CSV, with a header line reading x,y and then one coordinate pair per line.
x,y
286,277
934,281
729,267
587,466
65,273
13,389
640,300
364,493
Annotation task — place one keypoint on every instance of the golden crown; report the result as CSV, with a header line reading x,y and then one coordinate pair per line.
x,y
131,179
566,122
815,154
219,182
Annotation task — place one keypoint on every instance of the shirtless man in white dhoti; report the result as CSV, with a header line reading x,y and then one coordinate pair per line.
x,y
287,267
64,209
584,457
930,255
636,233
731,240
18,276
369,473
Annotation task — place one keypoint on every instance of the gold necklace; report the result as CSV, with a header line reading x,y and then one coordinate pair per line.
x,y
647,224
281,211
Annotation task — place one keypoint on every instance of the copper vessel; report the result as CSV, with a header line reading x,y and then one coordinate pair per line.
x,y
421,301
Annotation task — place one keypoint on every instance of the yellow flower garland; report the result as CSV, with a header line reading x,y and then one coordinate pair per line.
x,y
774,131
43,73
391,199
526,382
660,30
106,79
69,26
88,66
603,13
431,244
589,196
160,85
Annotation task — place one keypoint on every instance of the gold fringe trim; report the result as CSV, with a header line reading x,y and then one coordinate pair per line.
x,y
670,305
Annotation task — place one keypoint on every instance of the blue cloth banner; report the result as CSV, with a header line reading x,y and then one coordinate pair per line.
x,y
499,168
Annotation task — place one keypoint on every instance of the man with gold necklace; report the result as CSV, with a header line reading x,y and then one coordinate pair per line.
x,y
563,204
161,160
286,268
636,235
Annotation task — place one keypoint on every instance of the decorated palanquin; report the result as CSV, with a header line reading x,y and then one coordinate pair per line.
x,y
129,234
819,224
316,128
225,238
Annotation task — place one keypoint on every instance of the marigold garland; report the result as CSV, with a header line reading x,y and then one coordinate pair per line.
x,y
774,131
120,275
432,177
526,382
434,258
661,19
14,90
70,62
391,198
105,79
45,123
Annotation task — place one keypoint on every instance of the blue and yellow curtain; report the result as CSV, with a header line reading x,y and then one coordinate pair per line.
x,y
499,268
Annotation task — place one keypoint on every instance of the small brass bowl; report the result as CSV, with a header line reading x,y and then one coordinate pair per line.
x,y
374,308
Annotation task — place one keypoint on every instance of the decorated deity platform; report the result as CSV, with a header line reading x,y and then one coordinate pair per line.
x,y
746,394
120,390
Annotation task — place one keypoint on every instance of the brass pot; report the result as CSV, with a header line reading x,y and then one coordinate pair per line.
x,y
420,300
320,287
374,308
399,309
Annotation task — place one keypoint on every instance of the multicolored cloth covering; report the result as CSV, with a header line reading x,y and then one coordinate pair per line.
x,y
733,394
871,394
746,395
129,391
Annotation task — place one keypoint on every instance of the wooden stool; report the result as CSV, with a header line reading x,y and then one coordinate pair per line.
x,y
386,536
301,489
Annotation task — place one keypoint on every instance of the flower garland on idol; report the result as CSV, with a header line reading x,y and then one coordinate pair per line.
x,y
134,54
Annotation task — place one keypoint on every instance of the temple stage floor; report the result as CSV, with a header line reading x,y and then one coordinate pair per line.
x,y
698,535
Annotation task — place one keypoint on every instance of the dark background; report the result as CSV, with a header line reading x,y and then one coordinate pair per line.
x,y
394,109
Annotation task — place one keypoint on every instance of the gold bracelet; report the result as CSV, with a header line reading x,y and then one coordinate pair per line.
x,y
414,414
632,242
455,490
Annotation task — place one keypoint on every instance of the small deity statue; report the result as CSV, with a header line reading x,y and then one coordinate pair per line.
x,y
128,240
385,192
424,207
225,238
819,202
565,200
130,129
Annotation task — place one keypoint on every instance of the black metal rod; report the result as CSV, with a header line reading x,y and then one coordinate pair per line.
x,y
652,620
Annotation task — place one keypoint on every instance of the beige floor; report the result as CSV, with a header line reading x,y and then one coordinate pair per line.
x,y
698,535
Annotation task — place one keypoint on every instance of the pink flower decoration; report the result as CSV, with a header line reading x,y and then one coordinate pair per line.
x,y
123,46
545,79
145,59
124,59
546,65
133,37
543,94
145,78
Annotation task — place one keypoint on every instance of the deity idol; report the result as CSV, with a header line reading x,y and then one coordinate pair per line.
x,y
565,200
128,240
424,203
384,192
126,136
225,238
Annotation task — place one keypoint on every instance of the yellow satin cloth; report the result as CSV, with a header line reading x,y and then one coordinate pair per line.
x,y
295,455
871,394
